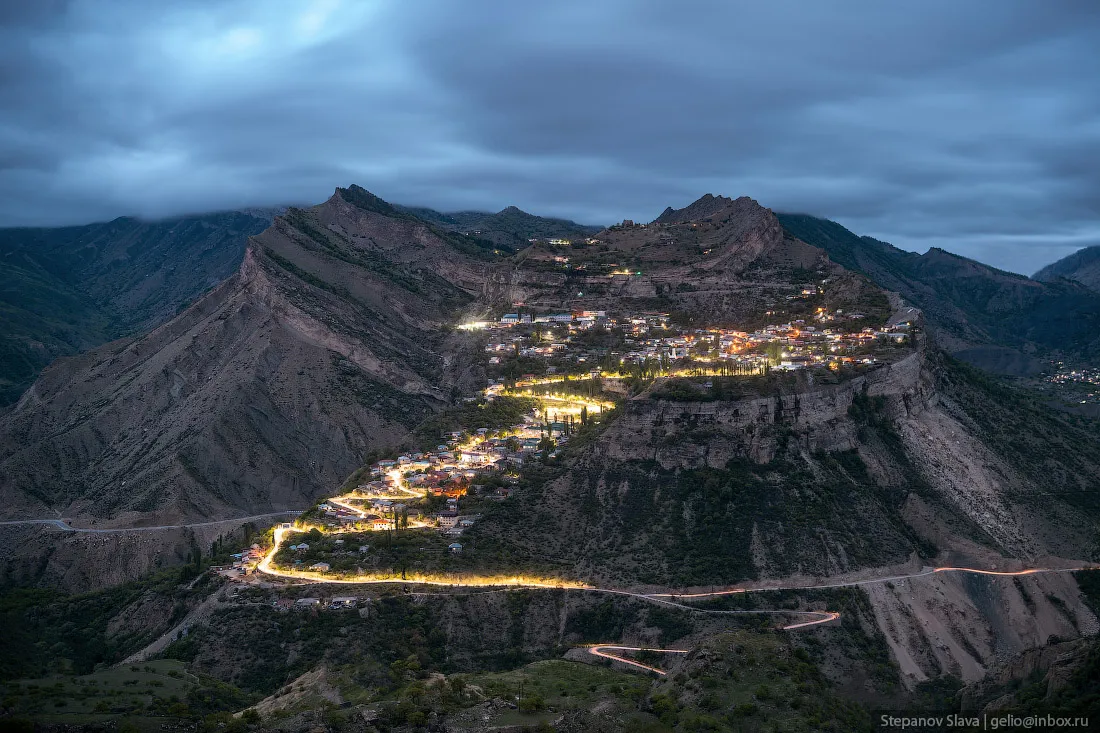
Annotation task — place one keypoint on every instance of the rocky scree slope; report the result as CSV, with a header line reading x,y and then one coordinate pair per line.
x,y
328,341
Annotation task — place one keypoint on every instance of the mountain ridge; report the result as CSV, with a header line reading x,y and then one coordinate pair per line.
x,y
986,315
322,345
1082,266
69,289
511,227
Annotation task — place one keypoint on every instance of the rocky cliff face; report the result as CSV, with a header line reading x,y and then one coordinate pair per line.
x,y
922,462
78,562
817,414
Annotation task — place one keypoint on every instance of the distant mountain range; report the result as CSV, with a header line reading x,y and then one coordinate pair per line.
x,y
69,289
65,290
509,228
995,319
1082,266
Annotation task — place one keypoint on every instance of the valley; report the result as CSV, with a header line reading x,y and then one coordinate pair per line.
x,y
388,464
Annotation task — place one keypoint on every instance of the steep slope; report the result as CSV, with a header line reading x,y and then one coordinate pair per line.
x,y
327,342
1082,266
995,319
69,289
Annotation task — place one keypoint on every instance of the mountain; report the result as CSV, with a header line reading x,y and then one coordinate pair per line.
x,y
735,265
995,319
701,209
1082,266
331,342
327,342
514,227
510,228
66,290
859,490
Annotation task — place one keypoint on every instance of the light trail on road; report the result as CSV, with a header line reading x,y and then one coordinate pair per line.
x,y
872,581
339,501
815,618
598,650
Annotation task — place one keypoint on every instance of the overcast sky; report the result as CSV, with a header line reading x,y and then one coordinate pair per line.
x,y
973,126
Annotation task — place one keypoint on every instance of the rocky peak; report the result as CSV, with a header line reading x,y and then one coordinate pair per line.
x,y
709,205
362,198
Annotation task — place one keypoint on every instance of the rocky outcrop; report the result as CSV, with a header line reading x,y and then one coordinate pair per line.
x,y
705,207
1052,666
668,432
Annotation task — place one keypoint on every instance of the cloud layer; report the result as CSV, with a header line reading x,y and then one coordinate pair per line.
x,y
970,126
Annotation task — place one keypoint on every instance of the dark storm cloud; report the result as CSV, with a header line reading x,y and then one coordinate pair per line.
x,y
974,127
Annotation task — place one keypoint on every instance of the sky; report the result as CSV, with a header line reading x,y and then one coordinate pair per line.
x,y
971,126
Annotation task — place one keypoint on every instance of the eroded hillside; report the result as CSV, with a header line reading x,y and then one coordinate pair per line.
x,y
329,341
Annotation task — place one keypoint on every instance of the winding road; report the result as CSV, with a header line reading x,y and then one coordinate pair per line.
x,y
62,524
605,651
812,618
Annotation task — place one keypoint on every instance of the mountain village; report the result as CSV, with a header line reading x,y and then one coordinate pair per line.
x,y
433,490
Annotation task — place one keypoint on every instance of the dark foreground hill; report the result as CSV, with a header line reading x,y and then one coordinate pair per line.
x,y
69,289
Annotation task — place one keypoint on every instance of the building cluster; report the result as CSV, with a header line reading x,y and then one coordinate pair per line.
x,y
243,563
827,338
456,468
1083,383
795,345
312,603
